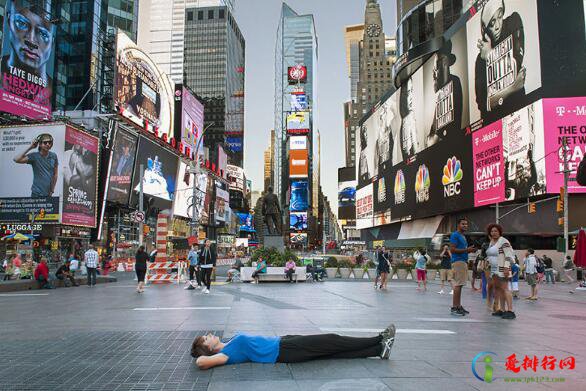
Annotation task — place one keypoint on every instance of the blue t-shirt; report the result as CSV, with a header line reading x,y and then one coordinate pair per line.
x,y
459,241
43,170
251,348
515,269
421,261
193,258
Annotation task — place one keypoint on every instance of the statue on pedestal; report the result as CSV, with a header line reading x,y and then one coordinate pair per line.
x,y
272,212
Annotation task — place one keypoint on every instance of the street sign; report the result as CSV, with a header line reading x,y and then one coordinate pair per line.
x,y
137,217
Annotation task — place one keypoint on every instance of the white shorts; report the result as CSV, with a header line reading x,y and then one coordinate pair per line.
x,y
514,286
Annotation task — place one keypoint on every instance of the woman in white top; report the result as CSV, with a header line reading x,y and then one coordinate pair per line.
x,y
500,255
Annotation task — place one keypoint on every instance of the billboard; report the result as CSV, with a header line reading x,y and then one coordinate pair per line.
x,y
297,143
121,167
298,121
234,144
504,63
489,165
364,207
35,156
298,221
299,101
80,169
28,58
222,204
564,118
222,161
347,199
235,177
142,93
189,114
299,196
297,74
298,164
298,238
160,170
183,203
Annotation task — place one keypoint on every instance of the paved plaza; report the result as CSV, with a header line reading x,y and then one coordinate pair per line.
x,y
111,338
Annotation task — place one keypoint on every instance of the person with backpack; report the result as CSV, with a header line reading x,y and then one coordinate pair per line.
x,y
540,270
548,269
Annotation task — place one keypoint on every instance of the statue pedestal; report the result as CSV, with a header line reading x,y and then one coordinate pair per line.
x,y
274,241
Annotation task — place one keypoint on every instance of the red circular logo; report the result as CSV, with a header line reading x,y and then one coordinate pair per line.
x,y
298,72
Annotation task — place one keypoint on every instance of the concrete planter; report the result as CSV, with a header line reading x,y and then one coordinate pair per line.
x,y
358,273
431,275
345,272
332,272
371,274
402,274
412,275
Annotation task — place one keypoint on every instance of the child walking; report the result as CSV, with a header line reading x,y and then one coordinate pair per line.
x,y
421,266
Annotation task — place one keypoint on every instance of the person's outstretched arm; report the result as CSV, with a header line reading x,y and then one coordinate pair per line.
x,y
207,362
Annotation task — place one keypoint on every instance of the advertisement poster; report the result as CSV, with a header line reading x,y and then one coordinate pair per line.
x,y
122,166
160,169
364,207
234,144
298,238
298,164
299,196
523,152
142,93
298,221
299,101
183,204
222,204
235,177
297,143
489,166
34,155
28,57
222,161
297,74
80,169
445,80
564,118
192,116
298,122
503,58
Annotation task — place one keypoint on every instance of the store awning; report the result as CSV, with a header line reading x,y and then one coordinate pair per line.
x,y
420,229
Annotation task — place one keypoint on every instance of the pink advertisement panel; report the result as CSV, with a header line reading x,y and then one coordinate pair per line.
x,y
489,167
564,118
79,178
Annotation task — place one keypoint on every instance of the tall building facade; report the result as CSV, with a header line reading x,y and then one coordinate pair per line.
x,y
269,158
352,37
214,59
296,53
123,14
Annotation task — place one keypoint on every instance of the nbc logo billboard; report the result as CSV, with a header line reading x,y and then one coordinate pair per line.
x,y
400,187
453,174
422,184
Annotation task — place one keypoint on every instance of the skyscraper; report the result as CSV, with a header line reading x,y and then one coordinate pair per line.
x,y
214,58
123,14
352,37
295,105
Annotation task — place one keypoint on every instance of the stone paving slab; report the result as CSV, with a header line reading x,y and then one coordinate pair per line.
x,y
110,338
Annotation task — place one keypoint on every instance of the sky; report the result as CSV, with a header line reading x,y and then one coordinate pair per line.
x,y
258,21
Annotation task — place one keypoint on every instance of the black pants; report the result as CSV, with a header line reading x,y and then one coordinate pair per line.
x,y
91,276
194,271
299,348
140,274
289,274
206,276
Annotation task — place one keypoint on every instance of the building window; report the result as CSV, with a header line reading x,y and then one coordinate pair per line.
x,y
189,16
199,15
221,14
210,14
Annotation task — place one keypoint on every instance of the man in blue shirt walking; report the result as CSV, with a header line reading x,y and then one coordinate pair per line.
x,y
193,258
460,250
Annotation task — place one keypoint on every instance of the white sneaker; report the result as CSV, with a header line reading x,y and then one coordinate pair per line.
x,y
441,292
198,287
206,291
452,292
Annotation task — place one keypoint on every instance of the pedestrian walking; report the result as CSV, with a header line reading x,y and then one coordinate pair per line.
x,y
514,283
384,267
569,269
460,250
211,352
500,255
421,267
446,269
540,270
140,267
530,265
91,259
194,270
207,262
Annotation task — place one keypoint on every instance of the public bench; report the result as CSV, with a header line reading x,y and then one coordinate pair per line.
x,y
24,285
274,274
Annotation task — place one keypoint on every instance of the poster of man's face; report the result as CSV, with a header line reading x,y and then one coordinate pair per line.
x,y
121,168
503,58
445,80
27,60
411,111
